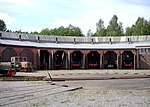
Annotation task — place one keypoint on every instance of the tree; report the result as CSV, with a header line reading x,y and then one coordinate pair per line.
x,y
35,32
2,25
63,31
114,28
25,32
100,29
129,31
45,32
141,27
148,27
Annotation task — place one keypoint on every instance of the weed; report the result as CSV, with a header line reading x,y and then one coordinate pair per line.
x,y
71,94
44,104
35,105
107,101
92,99
78,104
66,101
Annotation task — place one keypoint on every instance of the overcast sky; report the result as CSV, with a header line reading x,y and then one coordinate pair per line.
x,y
35,15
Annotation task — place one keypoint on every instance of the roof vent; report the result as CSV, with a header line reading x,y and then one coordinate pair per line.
x,y
56,41
129,40
74,40
110,42
19,37
92,41
38,39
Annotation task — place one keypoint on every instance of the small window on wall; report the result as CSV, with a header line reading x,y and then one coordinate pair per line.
x,y
142,51
146,50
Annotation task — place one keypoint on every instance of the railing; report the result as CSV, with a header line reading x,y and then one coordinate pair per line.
x,y
65,39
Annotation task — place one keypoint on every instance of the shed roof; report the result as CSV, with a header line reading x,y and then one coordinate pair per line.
x,y
75,46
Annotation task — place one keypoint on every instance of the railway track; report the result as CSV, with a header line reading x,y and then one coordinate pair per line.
x,y
29,93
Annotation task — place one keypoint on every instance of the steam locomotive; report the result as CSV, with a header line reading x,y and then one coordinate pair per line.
x,y
127,62
76,61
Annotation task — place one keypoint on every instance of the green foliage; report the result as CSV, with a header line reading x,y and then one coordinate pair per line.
x,y
21,32
45,32
34,32
63,31
129,31
2,25
114,28
100,29
66,101
141,27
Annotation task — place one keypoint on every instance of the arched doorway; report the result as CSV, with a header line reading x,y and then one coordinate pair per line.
x,y
110,60
76,60
93,60
28,54
60,60
127,60
7,54
45,59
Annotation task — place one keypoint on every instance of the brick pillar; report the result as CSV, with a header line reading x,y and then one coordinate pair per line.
x,y
86,60
83,66
118,61
35,52
68,60
101,60
38,59
135,60
52,60
138,59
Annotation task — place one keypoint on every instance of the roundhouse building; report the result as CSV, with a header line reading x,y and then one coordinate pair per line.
x,y
60,52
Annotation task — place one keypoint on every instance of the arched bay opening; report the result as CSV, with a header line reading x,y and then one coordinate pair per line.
x,y
110,60
76,60
127,60
45,59
93,60
60,61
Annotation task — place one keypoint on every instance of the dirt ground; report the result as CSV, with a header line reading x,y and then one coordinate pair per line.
x,y
95,93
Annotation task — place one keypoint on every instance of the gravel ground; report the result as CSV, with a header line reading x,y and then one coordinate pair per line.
x,y
40,94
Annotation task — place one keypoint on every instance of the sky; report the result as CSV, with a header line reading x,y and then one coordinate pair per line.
x,y
35,15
